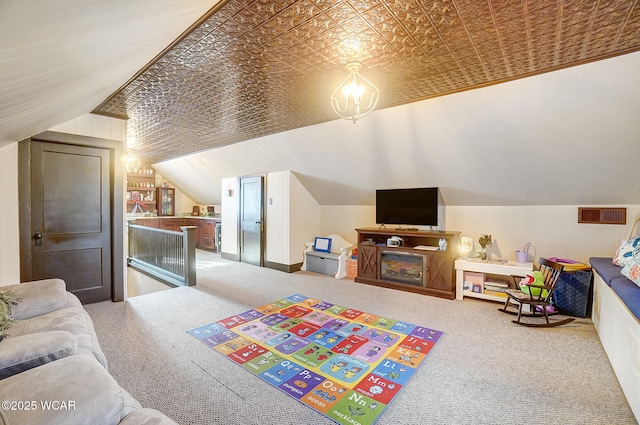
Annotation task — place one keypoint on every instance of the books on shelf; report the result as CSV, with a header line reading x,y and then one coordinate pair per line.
x,y
496,284
495,288
480,283
495,293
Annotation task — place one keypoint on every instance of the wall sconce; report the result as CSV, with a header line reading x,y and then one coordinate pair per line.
x,y
356,96
228,192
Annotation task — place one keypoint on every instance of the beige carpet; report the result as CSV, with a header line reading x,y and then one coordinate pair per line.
x,y
484,370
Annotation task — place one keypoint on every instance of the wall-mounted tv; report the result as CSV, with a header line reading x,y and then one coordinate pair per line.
x,y
416,207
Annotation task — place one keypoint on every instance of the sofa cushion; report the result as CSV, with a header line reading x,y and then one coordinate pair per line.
x,y
89,393
605,268
25,352
629,293
74,320
39,297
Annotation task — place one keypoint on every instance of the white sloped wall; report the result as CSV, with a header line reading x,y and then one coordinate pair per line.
x,y
292,218
229,216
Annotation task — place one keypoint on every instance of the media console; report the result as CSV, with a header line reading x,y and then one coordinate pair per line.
x,y
418,264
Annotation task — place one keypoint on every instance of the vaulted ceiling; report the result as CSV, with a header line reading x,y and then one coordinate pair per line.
x,y
254,68
498,102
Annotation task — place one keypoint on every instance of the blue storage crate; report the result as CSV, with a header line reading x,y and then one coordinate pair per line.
x,y
574,293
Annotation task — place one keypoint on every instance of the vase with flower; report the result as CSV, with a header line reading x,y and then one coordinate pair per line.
x,y
484,241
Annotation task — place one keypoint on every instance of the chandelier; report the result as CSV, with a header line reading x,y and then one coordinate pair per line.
x,y
132,162
356,96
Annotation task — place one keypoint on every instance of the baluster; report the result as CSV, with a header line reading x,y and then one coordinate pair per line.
x,y
166,250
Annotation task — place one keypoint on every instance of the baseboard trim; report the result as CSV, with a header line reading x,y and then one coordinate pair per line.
x,y
229,256
288,268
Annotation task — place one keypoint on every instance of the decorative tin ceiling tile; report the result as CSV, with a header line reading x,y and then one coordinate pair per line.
x,y
258,67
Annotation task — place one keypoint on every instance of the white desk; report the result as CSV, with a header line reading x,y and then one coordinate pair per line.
x,y
510,268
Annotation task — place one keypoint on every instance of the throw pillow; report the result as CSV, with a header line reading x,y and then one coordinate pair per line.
x,y
7,300
624,254
632,270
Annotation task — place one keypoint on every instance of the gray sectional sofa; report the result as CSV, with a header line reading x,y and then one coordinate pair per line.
x,y
52,369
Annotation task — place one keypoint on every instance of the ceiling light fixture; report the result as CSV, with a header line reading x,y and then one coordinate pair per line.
x,y
132,162
356,96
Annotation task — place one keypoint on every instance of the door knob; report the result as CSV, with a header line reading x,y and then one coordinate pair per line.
x,y
38,237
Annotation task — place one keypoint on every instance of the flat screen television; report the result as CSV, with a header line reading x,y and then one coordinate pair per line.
x,y
416,207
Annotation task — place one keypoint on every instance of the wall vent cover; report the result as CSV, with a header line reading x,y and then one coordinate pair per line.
x,y
602,215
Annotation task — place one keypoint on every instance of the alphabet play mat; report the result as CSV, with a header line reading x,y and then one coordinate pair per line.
x,y
346,364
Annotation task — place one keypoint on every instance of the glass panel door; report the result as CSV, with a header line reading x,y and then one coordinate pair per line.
x,y
166,201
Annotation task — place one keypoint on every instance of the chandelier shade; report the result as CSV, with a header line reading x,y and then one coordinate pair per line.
x,y
356,96
132,162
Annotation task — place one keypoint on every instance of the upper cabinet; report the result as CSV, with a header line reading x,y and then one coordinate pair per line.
x,y
166,198
141,190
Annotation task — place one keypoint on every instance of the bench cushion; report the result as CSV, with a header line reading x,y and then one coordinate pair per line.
x,y
612,275
606,269
629,293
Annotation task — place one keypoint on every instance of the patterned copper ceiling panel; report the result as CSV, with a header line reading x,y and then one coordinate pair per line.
x,y
258,67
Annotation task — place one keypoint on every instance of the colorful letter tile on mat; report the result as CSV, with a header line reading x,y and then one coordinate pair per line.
x,y
347,364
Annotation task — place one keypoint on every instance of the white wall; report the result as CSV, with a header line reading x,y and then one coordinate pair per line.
x,y
95,126
277,217
305,221
552,230
183,204
343,220
292,218
229,216
9,229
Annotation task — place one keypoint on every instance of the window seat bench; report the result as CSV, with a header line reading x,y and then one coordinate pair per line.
x,y
616,316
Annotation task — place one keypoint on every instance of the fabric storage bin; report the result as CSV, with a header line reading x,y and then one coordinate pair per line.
x,y
574,293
